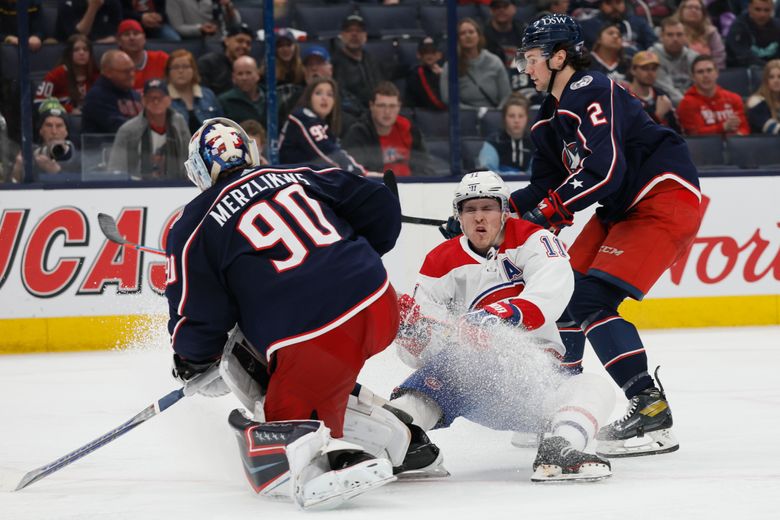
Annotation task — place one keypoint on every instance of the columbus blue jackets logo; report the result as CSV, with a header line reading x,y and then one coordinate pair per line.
x,y
583,82
571,157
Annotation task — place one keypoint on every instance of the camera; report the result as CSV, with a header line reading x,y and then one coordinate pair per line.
x,y
58,151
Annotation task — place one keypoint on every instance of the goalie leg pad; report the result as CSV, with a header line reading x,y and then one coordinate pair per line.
x,y
377,430
244,372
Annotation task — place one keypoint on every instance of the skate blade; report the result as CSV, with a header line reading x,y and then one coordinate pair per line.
x,y
343,485
525,440
435,469
552,473
652,443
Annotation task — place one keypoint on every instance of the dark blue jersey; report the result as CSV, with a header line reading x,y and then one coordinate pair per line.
x,y
599,145
288,254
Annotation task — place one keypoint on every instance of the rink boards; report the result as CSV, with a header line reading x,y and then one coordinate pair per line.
x,y
63,286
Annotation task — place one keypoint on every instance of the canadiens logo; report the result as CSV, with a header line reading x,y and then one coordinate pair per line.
x,y
583,82
433,383
571,157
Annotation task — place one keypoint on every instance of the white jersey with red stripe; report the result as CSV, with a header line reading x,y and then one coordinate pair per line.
x,y
530,269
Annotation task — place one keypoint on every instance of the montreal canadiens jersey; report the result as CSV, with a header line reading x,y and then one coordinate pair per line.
x,y
288,254
531,268
598,145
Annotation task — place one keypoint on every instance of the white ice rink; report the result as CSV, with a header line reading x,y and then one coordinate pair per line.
x,y
723,384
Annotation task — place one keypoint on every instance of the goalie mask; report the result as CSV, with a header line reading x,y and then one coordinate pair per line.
x,y
219,145
481,185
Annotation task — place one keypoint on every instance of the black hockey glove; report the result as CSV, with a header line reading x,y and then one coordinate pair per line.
x,y
184,370
451,228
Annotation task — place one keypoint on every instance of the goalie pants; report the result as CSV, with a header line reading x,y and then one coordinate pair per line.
x,y
313,379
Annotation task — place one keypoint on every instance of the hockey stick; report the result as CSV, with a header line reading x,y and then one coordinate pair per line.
x,y
109,229
392,184
191,387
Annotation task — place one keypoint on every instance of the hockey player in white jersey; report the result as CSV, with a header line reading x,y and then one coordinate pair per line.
x,y
503,282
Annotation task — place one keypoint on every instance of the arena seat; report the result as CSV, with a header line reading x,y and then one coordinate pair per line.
x,y
439,152
736,80
490,122
321,22
753,151
469,151
706,151
391,21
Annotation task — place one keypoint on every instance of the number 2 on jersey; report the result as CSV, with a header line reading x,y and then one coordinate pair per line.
x,y
322,232
596,114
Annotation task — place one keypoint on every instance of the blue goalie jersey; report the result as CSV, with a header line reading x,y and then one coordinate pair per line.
x,y
288,254
599,145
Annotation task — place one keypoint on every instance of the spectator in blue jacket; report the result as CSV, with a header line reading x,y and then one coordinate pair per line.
x,y
111,101
192,100
637,34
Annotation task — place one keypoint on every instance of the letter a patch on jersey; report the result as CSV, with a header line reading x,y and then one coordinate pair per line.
x,y
511,270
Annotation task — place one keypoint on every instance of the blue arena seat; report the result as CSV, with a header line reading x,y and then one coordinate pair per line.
x,y
321,22
753,151
433,18
736,80
391,21
469,151
252,16
490,122
439,152
49,19
706,151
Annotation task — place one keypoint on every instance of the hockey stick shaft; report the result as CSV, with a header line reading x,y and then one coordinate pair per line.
x,y
392,184
111,232
191,387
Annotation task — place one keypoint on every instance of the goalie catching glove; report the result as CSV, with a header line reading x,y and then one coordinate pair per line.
x,y
551,214
184,370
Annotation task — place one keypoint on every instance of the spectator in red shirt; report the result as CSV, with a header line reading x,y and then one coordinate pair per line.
x,y
70,81
148,64
708,109
386,140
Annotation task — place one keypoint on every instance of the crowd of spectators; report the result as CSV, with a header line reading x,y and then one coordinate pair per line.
x,y
341,104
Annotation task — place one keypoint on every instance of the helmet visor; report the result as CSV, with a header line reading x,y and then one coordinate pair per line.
x,y
522,62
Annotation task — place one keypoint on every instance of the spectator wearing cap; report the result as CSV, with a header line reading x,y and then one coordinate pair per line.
x,y
111,101
202,18
354,68
657,104
674,72
385,140
503,34
637,34
153,144
707,108
151,15
56,153
131,39
216,68
247,98
289,67
193,101
423,83
482,77
608,56
9,26
70,81
96,19
754,37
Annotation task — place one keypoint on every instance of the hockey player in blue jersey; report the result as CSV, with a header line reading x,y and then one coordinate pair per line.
x,y
292,256
595,144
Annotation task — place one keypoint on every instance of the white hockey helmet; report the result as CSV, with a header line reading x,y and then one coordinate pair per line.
x,y
481,185
219,145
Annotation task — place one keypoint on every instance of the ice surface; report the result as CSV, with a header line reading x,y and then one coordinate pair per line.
x,y
723,385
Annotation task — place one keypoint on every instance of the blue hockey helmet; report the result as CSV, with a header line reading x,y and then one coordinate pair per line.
x,y
218,146
550,33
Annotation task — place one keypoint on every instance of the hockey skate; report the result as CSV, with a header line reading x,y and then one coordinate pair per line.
x,y
645,429
558,461
423,459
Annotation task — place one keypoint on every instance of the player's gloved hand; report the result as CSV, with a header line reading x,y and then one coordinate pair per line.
x,y
550,213
508,312
414,331
451,228
184,370
474,328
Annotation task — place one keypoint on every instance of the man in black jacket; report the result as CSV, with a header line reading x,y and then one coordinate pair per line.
x,y
422,84
386,140
754,38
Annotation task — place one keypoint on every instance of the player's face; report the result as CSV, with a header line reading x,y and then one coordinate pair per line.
x,y
515,121
536,68
481,221
80,53
760,11
384,110
322,100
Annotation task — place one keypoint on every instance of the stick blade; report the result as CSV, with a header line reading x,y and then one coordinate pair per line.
x,y
109,229
29,478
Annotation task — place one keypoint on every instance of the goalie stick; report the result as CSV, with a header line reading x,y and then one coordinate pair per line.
x,y
190,388
392,184
109,229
